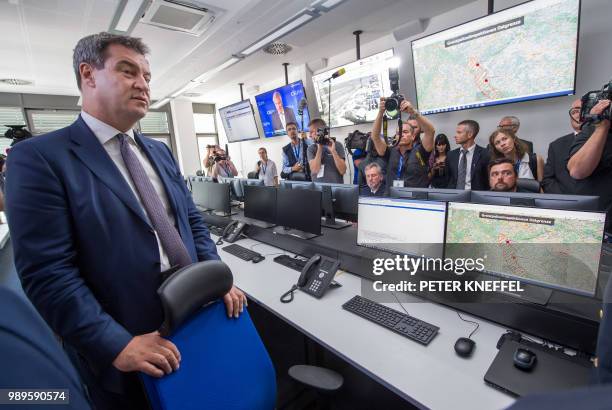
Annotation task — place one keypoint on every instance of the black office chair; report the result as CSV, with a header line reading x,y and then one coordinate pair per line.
x,y
324,382
527,184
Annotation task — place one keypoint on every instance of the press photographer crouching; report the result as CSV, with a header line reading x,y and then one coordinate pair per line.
x,y
590,157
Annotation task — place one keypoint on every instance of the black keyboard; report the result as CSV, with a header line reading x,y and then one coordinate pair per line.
x,y
401,323
292,263
241,252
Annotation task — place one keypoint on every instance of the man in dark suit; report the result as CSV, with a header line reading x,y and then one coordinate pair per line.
x,y
557,179
283,115
467,165
31,357
99,215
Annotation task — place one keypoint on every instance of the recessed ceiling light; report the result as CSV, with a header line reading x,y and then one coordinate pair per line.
x,y
192,95
15,81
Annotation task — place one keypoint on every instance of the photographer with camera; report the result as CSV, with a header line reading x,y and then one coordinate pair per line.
x,y
224,167
408,160
590,157
326,157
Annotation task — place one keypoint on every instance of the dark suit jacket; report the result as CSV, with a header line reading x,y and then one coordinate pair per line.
x,y
31,357
289,117
86,254
557,179
478,172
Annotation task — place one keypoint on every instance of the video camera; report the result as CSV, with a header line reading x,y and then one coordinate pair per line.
x,y
590,99
357,140
323,136
17,133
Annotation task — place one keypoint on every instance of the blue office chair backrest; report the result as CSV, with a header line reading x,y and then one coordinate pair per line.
x,y
224,364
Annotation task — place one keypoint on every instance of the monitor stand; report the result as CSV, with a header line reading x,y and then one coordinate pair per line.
x,y
333,223
327,205
255,222
280,230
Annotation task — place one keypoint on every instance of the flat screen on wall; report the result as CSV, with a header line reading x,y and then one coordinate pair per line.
x,y
282,105
356,93
239,122
522,53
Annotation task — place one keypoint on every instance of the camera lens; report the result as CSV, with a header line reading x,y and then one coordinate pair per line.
x,y
391,104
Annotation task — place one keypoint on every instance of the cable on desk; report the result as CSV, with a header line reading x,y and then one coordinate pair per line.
x,y
469,321
287,297
400,303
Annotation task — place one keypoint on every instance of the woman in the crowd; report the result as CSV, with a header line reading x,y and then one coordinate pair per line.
x,y
504,143
438,177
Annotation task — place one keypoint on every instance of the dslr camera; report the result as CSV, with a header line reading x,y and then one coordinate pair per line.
x,y
218,158
393,102
323,136
590,99
356,140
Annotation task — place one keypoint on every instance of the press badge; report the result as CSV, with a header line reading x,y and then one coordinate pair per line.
x,y
398,183
322,172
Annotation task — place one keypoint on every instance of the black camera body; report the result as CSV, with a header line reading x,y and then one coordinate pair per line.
x,y
17,133
590,99
218,158
323,136
393,102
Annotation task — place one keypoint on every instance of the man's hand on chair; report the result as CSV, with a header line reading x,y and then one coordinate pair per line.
x,y
235,301
149,353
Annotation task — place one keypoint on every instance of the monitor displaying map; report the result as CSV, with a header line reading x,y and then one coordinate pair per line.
x,y
554,248
355,94
522,53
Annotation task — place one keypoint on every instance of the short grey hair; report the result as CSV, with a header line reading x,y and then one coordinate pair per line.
x,y
515,121
373,165
92,50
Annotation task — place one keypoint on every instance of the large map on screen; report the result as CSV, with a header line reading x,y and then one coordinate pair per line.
x,y
355,95
522,53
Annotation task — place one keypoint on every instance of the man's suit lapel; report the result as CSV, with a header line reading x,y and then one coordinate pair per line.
x,y
88,149
475,158
156,160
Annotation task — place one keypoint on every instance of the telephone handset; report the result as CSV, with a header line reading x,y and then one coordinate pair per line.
x,y
316,277
232,232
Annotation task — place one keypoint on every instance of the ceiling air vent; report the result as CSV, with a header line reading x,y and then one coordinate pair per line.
x,y
277,49
187,16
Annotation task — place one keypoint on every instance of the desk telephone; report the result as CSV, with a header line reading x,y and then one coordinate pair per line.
x,y
232,232
316,277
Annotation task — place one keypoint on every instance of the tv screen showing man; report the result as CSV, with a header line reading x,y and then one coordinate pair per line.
x,y
282,106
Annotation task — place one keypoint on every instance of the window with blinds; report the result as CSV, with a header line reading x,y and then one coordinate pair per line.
x,y
9,116
155,122
47,121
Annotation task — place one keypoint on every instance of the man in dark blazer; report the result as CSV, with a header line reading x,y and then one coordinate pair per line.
x,y
557,179
467,165
99,215
283,115
30,355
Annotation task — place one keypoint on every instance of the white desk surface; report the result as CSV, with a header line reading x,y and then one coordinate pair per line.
x,y
430,376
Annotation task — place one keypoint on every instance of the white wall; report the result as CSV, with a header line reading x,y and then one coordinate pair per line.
x,y
542,121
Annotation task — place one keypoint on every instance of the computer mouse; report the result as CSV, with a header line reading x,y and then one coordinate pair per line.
x,y
258,258
464,346
524,359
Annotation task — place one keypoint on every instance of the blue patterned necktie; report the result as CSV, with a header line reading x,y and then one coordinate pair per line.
x,y
168,235
462,170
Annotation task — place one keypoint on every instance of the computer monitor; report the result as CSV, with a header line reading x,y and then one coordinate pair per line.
x,y
402,226
299,209
260,204
549,201
236,190
338,200
431,194
297,184
252,182
556,249
211,196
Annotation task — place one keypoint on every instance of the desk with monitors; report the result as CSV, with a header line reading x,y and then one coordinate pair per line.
x,y
298,212
211,196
